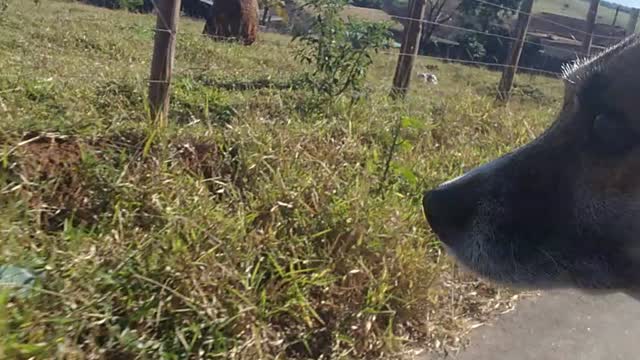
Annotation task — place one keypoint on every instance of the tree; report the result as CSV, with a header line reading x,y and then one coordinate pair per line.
x,y
494,49
434,16
483,16
233,19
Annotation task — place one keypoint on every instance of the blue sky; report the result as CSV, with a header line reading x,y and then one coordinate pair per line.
x,y
631,3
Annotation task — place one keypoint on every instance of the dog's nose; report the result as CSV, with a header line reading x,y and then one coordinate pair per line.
x,y
450,207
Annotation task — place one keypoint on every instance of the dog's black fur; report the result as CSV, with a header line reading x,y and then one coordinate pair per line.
x,y
564,210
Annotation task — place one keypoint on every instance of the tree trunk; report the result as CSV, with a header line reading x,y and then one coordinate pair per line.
x,y
233,19
434,19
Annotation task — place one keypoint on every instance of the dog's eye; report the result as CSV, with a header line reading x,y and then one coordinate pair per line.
x,y
612,135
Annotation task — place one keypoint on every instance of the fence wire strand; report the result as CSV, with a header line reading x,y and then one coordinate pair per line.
x,y
539,17
474,62
488,34
164,22
162,18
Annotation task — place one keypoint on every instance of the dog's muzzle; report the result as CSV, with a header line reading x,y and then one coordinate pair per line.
x,y
450,207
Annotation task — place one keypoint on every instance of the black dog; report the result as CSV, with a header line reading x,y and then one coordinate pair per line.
x,y
564,210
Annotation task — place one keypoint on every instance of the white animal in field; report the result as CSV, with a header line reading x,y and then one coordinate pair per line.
x,y
429,78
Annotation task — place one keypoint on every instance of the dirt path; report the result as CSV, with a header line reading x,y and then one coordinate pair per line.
x,y
559,325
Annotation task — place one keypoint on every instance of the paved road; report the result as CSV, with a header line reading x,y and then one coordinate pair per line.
x,y
560,325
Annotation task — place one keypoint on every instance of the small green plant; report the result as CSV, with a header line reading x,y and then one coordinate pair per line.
x,y
340,51
398,143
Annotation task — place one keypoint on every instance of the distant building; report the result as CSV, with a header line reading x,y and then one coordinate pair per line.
x,y
561,26
561,38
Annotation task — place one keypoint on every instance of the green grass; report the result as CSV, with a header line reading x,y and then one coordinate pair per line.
x,y
257,225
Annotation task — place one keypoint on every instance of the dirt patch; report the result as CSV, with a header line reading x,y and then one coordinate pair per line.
x,y
48,169
60,178
47,156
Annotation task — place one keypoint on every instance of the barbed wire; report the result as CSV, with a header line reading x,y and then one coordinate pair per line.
x,y
230,39
574,52
464,61
162,18
50,77
151,29
539,16
489,34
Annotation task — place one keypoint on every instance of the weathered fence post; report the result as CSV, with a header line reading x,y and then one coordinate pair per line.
x,y
509,71
591,24
408,49
163,58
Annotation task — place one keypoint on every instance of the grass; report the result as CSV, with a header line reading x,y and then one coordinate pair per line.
x,y
362,13
257,225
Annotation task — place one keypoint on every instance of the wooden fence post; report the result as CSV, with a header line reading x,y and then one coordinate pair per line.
x,y
163,58
591,23
408,49
509,71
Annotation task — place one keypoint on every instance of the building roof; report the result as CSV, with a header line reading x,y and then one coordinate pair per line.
x,y
574,28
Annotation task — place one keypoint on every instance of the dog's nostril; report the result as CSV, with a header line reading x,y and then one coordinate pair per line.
x,y
449,208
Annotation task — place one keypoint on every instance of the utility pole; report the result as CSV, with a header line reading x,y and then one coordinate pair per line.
x,y
591,24
163,57
615,17
509,71
408,49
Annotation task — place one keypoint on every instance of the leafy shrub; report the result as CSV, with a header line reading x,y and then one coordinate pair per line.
x,y
339,51
472,46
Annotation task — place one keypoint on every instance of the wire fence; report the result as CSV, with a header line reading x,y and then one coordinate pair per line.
x,y
473,31
541,18
476,63
574,53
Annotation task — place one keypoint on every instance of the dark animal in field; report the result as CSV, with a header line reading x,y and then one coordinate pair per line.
x,y
233,19
564,210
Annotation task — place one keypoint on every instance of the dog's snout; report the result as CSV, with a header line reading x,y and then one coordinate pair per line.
x,y
449,208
